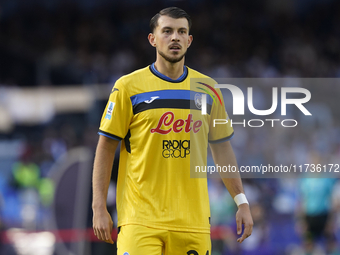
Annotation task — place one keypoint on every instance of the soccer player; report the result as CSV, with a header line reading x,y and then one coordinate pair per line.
x,y
161,210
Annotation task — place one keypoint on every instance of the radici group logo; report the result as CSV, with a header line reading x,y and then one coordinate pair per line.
x,y
238,109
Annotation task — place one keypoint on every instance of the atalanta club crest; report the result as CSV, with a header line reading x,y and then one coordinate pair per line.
x,y
198,100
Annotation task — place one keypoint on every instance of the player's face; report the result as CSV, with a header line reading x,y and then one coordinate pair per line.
x,y
171,38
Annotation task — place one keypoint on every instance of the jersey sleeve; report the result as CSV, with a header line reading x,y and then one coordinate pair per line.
x,y
118,113
220,130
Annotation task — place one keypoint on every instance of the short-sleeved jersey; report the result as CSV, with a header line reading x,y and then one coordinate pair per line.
x,y
162,129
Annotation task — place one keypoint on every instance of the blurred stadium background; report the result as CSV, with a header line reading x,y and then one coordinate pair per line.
x,y
59,60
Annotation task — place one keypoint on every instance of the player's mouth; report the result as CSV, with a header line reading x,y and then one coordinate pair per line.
x,y
175,47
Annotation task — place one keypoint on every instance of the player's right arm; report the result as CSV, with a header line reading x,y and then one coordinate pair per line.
x,y
102,222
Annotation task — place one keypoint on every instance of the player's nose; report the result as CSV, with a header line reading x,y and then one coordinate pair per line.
x,y
175,36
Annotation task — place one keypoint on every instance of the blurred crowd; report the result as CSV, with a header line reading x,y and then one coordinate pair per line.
x,y
68,42
62,43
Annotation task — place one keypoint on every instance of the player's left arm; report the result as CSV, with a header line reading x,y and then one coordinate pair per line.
x,y
223,155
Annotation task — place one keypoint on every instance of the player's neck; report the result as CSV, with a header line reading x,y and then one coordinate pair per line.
x,y
171,70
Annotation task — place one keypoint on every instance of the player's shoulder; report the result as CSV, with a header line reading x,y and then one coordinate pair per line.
x,y
204,78
131,81
196,74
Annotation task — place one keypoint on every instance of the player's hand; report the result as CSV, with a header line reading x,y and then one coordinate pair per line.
x,y
243,216
102,226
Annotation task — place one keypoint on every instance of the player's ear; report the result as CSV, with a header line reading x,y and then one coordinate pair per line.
x,y
190,39
152,39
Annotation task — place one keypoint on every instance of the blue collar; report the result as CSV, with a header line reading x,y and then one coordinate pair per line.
x,y
166,78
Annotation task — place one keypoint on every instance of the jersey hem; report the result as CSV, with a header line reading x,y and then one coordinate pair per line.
x,y
223,139
165,227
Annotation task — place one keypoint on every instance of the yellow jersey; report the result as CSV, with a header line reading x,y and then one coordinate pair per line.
x,y
163,133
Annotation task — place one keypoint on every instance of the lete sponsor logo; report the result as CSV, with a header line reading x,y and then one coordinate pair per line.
x,y
167,123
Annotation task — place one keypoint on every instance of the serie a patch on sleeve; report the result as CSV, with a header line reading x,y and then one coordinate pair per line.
x,y
109,110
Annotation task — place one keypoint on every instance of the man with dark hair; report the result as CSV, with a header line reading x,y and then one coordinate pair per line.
x,y
172,12
161,209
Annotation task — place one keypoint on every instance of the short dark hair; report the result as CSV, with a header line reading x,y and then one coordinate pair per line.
x,y
172,12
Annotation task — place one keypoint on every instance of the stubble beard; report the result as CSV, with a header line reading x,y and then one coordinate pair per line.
x,y
172,59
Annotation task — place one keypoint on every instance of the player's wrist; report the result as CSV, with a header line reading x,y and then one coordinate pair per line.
x,y
241,199
99,207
